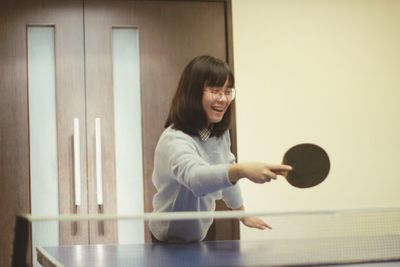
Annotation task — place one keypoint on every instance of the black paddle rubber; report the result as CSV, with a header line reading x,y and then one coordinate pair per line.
x,y
310,165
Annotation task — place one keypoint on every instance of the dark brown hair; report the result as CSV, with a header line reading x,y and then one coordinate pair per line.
x,y
187,113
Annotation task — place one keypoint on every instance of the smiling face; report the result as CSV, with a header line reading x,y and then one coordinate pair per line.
x,y
203,97
215,106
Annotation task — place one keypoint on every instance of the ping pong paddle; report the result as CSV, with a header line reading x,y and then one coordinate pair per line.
x,y
310,165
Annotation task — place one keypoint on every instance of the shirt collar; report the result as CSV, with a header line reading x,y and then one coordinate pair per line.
x,y
205,133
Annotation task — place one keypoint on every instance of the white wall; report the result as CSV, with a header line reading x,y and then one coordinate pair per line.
x,y
325,72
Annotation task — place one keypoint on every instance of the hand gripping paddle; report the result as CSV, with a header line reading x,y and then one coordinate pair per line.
x,y
310,165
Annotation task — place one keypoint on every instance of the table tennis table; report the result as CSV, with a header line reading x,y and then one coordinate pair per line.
x,y
338,251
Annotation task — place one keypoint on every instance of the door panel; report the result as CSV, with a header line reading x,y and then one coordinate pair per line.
x,y
67,20
171,33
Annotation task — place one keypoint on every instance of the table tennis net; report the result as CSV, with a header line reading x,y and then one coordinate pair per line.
x,y
332,237
340,223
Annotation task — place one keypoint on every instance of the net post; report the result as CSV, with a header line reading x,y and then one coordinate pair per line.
x,y
21,242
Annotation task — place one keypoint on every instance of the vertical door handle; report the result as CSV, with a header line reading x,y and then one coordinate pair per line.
x,y
99,175
77,163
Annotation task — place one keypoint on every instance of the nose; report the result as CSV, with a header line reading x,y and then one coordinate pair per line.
x,y
222,97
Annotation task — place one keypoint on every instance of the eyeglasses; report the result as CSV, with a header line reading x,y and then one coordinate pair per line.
x,y
218,93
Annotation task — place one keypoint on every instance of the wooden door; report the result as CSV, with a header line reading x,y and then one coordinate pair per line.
x,y
67,20
171,33
66,17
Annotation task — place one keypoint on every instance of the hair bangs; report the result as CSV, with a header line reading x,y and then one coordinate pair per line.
x,y
218,74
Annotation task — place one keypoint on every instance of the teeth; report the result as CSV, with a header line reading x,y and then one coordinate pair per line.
x,y
218,109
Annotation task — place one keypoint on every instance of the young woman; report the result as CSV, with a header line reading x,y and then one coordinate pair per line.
x,y
193,163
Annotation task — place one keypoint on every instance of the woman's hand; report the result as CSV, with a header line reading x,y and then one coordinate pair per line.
x,y
255,222
258,172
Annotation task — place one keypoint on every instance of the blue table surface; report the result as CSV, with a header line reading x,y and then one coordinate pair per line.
x,y
340,251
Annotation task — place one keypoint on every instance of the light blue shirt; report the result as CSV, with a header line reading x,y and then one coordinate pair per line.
x,y
189,175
